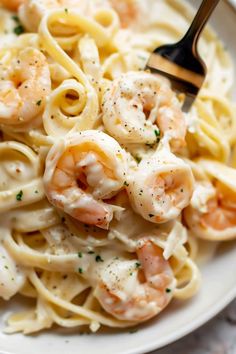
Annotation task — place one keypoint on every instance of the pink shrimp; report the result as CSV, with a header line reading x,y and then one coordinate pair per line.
x,y
218,220
140,108
84,171
140,289
12,5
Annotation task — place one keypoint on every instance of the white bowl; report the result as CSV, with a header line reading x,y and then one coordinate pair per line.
x,y
219,288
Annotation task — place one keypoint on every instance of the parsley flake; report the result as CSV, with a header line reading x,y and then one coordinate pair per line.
x,y
134,330
168,290
126,184
157,133
18,30
19,196
138,159
80,254
99,258
150,215
137,265
80,270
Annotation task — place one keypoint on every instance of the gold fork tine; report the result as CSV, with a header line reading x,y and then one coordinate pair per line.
x,y
180,62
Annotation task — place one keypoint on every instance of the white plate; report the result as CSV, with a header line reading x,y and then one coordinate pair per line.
x,y
219,288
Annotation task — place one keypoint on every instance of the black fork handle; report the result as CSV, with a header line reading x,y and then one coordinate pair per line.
x,y
200,20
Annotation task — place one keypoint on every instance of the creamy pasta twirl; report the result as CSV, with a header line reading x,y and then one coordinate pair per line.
x,y
106,186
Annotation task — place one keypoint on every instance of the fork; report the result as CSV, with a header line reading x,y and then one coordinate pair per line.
x,y
181,62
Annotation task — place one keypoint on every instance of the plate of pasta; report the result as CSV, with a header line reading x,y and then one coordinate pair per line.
x,y
117,210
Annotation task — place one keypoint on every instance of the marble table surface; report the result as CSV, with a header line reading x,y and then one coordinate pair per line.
x,y
216,337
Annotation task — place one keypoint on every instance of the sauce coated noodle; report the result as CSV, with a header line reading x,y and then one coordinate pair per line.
x,y
106,185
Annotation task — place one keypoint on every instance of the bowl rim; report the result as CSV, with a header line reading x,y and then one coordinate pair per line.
x,y
188,327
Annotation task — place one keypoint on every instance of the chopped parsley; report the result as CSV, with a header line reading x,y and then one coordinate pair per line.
x,y
138,159
168,290
91,252
134,330
15,18
137,265
19,196
126,184
80,254
18,30
38,103
98,258
36,192
150,215
80,270
66,11
158,135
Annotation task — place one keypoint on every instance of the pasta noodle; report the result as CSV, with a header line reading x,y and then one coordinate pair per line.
x,y
106,186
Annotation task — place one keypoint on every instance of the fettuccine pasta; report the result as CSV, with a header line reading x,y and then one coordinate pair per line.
x,y
106,186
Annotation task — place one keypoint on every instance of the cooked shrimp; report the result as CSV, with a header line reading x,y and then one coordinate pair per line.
x,y
138,107
32,11
23,93
160,187
216,220
82,172
12,5
128,11
136,290
211,214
